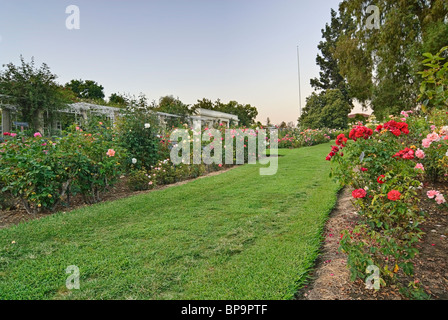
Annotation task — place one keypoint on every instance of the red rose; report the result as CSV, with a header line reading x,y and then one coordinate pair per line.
x,y
364,169
341,140
334,149
381,179
394,195
397,128
359,193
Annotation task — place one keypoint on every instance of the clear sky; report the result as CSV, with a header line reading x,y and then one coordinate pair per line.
x,y
243,50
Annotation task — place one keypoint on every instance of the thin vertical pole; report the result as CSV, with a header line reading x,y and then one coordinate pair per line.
x,y
300,90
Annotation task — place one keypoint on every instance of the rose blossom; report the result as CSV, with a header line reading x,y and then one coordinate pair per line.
x,y
394,195
420,167
381,179
440,199
110,152
433,137
432,193
420,154
426,143
359,193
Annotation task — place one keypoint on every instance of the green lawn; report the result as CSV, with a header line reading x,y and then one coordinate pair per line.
x,y
237,235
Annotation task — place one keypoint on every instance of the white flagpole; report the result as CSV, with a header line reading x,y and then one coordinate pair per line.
x,y
300,91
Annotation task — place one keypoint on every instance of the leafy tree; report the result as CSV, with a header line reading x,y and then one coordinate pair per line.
x,y
381,65
88,89
169,104
203,104
116,99
327,109
329,76
245,112
434,88
34,91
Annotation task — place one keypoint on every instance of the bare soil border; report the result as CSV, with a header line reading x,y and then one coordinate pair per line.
x,y
330,279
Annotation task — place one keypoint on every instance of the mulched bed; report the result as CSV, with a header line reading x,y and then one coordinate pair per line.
x,y
330,279
118,191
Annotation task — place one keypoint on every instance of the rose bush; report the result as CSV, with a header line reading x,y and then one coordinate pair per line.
x,y
386,168
42,172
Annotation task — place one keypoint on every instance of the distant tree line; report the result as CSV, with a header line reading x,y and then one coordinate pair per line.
x,y
38,97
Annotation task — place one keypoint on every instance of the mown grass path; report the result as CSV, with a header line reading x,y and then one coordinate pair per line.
x,y
237,235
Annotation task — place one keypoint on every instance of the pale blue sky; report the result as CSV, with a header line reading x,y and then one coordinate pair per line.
x,y
243,50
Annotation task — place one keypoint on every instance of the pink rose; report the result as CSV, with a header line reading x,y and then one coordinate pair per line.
x,y
433,137
440,199
420,154
432,193
37,134
110,153
426,143
419,166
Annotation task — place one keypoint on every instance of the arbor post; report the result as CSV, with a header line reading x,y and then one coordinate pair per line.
x,y
6,120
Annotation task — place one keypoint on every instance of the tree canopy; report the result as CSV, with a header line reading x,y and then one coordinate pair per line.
x,y
33,91
381,65
327,109
87,89
245,112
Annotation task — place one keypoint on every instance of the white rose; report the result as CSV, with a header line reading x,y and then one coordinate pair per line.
x,y
147,126
134,161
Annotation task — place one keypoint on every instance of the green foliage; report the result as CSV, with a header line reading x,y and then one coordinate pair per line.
x,y
30,171
41,172
389,226
33,91
245,112
381,65
434,88
138,180
138,129
171,105
118,100
92,161
329,76
87,89
328,109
